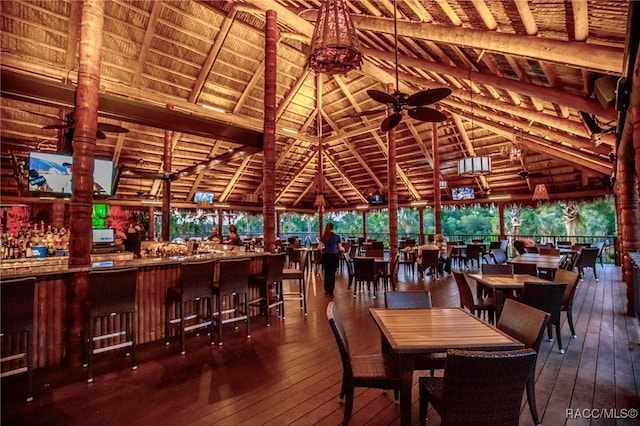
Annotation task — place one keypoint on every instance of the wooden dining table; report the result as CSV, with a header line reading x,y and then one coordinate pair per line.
x,y
502,283
544,262
408,333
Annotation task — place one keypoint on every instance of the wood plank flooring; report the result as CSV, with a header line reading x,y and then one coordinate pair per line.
x,y
290,373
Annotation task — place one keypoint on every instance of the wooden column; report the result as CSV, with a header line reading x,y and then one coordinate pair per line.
x,y
437,207
364,223
84,145
151,231
270,111
501,220
421,225
393,187
166,183
57,214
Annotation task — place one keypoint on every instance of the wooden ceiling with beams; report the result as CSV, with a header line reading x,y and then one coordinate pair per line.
x,y
521,73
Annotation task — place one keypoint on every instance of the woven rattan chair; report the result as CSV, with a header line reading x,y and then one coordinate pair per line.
x,y
587,259
416,300
472,255
370,371
499,256
571,278
600,245
476,306
299,274
392,274
270,277
365,271
352,275
478,388
232,283
111,296
549,251
493,269
548,298
526,324
16,298
196,281
525,268
569,261
429,262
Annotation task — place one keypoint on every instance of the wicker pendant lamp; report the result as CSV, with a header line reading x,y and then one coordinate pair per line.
x,y
334,45
540,193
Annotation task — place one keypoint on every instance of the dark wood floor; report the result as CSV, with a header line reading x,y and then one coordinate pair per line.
x,y
290,373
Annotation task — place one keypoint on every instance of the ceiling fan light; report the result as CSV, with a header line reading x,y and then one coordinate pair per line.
x,y
334,46
474,166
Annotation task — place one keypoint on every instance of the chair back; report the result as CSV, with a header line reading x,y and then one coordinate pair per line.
x,y
274,265
474,251
563,243
545,296
233,276
114,291
588,256
293,255
341,338
525,268
504,245
377,245
488,259
375,253
303,261
569,260
466,296
16,300
531,249
395,266
353,250
600,246
499,255
364,269
519,246
571,278
494,245
408,300
524,323
504,269
484,388
196,279
430,259
549,251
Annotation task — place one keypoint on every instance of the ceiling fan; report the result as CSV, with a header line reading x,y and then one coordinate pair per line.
x,y
69,123
414,104
525,174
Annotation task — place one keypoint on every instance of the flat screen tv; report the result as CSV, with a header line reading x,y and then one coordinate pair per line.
x,y
206,197
376,199
104,236
462,194
51,174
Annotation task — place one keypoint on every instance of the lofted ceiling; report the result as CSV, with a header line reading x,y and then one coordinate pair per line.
x,y
520,74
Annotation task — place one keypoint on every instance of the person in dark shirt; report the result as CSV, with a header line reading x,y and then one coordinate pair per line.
x,y
233,238
330,257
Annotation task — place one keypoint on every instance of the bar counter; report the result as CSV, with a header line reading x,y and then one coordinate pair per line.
x,y
59,300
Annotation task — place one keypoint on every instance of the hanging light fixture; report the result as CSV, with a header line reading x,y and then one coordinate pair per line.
x,y
334,45
540,193
474,166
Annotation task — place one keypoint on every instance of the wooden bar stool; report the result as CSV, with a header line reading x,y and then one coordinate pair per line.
x,y
233,281
110,313
299,274
17,319
196,281
271,276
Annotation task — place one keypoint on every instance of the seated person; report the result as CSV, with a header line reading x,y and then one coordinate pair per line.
x,y
214,237
443,261
233,238
430,245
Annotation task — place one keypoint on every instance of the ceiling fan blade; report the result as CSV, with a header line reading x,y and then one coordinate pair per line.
x,y
382,97
427,114
111,128
360,114
56,126
100,135
428,96
390,122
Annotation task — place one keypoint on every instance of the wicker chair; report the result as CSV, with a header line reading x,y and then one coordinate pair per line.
x,y
499,256
477,307
587,259
527,324
429,261
299,274
569,261
233,281
472,255
16,297
478,388
196,281
571,278
549,251
416,300
111,293
600,246
371,371
494,269
392,274
548,298
352,275
365,271
525,268
271,276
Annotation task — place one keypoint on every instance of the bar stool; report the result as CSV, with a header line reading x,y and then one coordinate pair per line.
x,y
233,280
271,276
298,274
111,302
17,318
196,281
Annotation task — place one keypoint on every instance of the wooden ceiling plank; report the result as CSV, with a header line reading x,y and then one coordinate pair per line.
x,y
580,11
485,14
529,22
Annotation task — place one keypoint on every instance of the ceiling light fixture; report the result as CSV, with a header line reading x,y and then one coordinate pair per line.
x,y
540,193
474,166
334,46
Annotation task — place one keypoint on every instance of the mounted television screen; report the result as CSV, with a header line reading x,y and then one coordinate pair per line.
x,y
462,194
376,199
206,197
51,173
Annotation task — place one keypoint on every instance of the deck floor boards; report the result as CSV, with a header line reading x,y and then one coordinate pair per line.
x,y
290,373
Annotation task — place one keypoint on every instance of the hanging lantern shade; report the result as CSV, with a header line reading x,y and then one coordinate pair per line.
x,y
540,192
474,166
334,45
